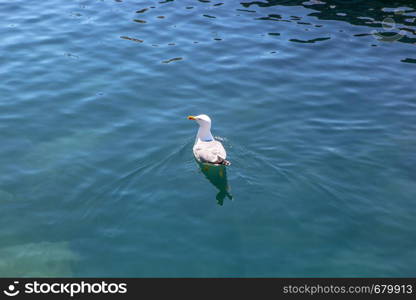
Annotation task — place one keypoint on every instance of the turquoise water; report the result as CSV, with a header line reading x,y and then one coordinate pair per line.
x,y
314,102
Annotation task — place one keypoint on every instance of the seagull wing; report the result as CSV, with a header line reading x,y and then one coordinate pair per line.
x,y
211,152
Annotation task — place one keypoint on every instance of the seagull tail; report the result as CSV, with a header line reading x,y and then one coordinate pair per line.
x,y
225,162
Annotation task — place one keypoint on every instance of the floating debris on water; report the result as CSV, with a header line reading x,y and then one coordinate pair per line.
x,y
139,21
409,60
141,11
247,10
362,34
309,41
131,39
172,60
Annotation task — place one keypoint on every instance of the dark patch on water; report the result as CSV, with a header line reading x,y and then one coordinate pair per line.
x,y
272,17
131,39
409,60
310,41
246,10
141,11
172,60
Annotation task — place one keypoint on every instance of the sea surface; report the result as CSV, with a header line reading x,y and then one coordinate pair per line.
x,y
315,102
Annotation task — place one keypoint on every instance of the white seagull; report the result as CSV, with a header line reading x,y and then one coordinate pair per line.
x,y
206,149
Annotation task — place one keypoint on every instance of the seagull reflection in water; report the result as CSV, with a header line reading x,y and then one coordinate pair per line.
x,y
217,176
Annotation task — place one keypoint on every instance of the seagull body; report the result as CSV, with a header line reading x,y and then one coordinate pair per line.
x,y
206,149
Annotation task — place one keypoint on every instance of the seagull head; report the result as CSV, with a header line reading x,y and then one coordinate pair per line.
x,y
202,120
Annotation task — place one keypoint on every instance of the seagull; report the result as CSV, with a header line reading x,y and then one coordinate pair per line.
x,y
206,149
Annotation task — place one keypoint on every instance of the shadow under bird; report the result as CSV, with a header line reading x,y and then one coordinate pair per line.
x,y
211,157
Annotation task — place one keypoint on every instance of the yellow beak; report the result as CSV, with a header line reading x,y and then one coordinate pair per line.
x,y
191,118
